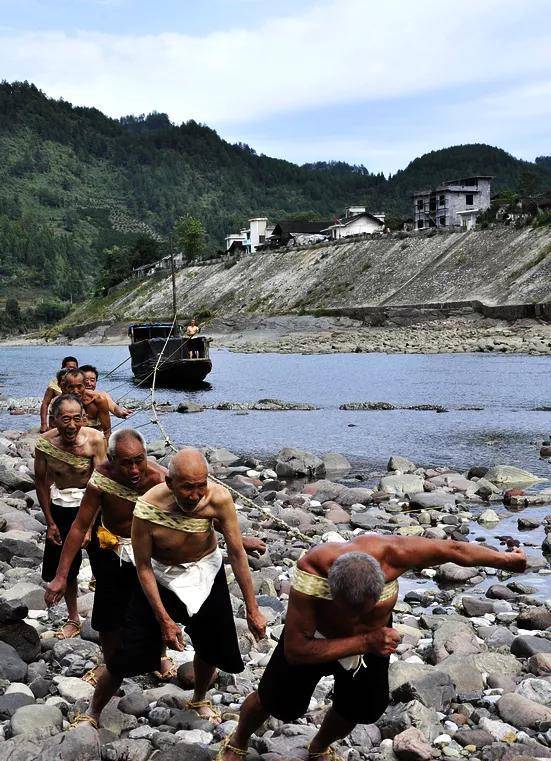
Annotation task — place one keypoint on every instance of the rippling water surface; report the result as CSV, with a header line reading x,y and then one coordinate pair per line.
x,y
508,388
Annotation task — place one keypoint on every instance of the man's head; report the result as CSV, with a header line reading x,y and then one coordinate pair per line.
x,y
91,376
187,478
73,382
127,453
356,580
60,377
69,416
69,363
193,321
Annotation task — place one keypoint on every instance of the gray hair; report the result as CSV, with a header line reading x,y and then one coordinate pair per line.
x,y
355,578
120,435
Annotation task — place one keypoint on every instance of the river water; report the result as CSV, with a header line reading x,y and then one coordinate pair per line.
x,y
507,429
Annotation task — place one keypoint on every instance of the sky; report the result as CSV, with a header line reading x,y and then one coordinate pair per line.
x,y
372,83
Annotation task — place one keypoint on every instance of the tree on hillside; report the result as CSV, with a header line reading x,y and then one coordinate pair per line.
x,y
190,236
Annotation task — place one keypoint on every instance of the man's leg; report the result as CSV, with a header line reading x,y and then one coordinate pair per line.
x,y
333,728
204,673
251,716
72,610
107,686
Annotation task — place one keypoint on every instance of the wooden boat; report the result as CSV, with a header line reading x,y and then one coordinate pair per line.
x,y
176,368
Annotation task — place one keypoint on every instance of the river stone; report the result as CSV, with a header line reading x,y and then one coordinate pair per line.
x,y
325,490
23,637
508,474
72,689
127,750
184,752
36,719
401,672
297,463
399,717
402,464
412,745
13,478
527,645
534,618
496,663
12,667
498,730
432,500
116,721
521,712
476,606
401,484
477,737
64,651
11,702
335,463
453,573
21,548
465,675
538,690
356,495
27,594
434,690
453,637
488,516
540,664
12,611
134,703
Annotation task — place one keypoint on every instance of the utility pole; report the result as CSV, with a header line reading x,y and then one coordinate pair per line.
x,y
173,271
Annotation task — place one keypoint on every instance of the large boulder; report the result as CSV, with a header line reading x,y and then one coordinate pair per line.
x,y
23,637
295,463
451,573
465,675
523,713
27,594
400,485
36,719
537,690
454,638
12,478
534,618
12,611
432,500
525,646
508,474
11,546
12,667
401,464
221,456
335,463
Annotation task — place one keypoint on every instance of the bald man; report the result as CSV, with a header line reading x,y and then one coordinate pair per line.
x,y
183,581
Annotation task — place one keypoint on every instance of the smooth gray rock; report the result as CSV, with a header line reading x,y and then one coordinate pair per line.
x,y
527,645
508,474
401,464
465,675
134,703
451,573
335,463
27,594
12,667
36,719
432,500
400,485
23,637
477,737
522,713
12,611
538,690
184,752
534,618
453,637
10,547
298,463
434,690
127,750
10,702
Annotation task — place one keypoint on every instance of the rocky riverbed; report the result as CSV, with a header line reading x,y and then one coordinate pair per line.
x,y
472,675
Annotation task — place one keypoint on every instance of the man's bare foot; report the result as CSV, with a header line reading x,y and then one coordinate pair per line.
x,y
69,630
204,709
230,751
322,755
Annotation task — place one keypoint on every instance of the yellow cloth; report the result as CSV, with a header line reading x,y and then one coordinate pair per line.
x,y
148,512
107,485
316,586
107,540
45,445
54,385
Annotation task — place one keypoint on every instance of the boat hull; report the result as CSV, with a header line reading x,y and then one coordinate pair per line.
x,y
175,368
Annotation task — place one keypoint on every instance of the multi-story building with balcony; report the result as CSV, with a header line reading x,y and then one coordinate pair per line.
x,y
454,204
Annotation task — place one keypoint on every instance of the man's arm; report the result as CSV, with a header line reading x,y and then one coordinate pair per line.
x,y
91,503
229,526
100,450
114,408
415,552
44,407
302,648
42,483
103,414
142,545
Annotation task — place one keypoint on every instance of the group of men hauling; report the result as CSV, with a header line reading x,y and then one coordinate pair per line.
x,y
151,535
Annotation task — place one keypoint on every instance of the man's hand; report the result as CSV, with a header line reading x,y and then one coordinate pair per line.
x,y
55,590
53,535
253,544
43,429
172,635
383,641
256,623
518,560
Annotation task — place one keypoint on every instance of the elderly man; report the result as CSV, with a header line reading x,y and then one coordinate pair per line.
x,y
95,406
52,390
339,621
64,460
91,376
183,581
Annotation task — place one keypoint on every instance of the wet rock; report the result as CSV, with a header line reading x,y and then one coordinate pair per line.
x,y
488,516
36,719
401,484
296,463
534,618
500,592
537,690
522,713
432,500
525,646
12,667
335,463
401,464
476,606
412,745
188,406
508,474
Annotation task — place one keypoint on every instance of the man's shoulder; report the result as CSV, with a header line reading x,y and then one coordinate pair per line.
x,y
156,473
220,496
93,436
159,496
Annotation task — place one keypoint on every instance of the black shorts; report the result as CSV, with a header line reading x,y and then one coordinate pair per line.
x,y
63,517
211,630
116,583
360,696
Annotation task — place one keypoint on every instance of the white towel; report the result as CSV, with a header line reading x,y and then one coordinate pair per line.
x,y
190,582
125,550
71,497
351,662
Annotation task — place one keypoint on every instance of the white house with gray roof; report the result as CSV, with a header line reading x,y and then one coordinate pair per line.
x,y
454,204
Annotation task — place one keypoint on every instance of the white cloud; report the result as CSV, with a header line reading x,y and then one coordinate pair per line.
x,y
338,52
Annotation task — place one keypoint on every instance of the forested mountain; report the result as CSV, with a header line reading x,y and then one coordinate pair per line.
x,y
74,183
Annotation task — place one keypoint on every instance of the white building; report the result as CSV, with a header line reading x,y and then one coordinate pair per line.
x,y
251,237
360,223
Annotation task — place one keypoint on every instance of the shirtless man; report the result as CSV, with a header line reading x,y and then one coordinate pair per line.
x,y
53,389
113,489
191,331
91,376
339,621
95,406
183,580
64,459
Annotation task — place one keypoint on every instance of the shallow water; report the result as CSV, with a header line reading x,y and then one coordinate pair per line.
x,y
509,388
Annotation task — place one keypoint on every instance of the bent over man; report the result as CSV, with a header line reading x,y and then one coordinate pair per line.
x,y
95,406
53,389
339,621
64,460
183,581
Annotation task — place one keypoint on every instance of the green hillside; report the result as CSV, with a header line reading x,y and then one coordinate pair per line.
x,y
74,183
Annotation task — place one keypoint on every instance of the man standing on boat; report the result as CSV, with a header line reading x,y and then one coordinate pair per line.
x,y
95,406
53,389
192,330
339,622
64,459
183,581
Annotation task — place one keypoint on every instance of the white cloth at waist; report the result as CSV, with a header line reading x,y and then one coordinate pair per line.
x,y
125,550
71,497
190,582
351,662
